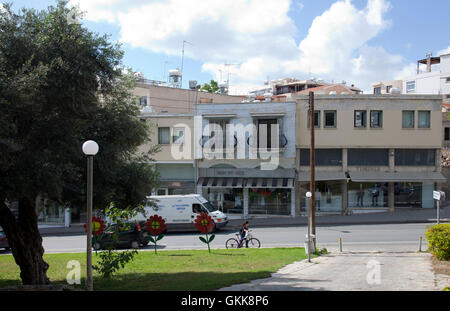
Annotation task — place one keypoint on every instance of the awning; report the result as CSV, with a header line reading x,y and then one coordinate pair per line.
x,y
397,177
322,176
213,182
270,183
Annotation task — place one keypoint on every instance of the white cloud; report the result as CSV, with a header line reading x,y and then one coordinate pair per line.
x,y
260,36
444,51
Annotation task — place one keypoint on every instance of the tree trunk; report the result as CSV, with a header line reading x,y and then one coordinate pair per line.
x,y
25,242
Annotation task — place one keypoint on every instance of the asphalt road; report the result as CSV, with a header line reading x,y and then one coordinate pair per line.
x,y
389,237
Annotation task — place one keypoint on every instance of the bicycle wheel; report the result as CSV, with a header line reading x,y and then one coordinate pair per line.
x,y
254,243
232,243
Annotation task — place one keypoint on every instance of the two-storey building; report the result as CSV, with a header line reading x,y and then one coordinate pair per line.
x,y
372,151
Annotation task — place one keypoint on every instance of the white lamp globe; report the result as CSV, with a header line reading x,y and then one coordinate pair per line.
x,y
90,148
308,194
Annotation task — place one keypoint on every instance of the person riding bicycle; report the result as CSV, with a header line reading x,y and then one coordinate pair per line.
x,y
243,233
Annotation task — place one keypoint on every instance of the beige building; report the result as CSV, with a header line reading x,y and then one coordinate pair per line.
x,y
165,99
372,151
175,160
386,87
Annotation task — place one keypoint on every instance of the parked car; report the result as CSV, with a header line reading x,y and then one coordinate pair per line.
x,y
133,235
3,240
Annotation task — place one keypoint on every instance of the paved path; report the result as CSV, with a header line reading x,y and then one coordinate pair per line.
x,y
358,271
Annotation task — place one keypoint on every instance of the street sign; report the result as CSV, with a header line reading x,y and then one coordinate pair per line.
x,y
437,195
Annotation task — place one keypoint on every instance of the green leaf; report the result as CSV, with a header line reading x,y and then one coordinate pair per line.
x,y
203,239
151,239
211,238
160,237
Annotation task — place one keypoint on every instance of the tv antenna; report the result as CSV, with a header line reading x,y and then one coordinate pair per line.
x,y
182,61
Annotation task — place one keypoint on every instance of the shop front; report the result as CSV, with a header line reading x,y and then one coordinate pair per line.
x,y
247,192
393,189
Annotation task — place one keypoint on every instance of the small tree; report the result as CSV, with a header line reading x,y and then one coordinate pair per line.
x,y
110,261
212,87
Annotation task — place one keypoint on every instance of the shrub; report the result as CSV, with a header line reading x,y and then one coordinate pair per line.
x,y
438,238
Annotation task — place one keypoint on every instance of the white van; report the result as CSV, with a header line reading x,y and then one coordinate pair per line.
x,y
180,211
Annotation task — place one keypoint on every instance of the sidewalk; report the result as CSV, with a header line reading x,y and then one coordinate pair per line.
x,y
397,217
360,271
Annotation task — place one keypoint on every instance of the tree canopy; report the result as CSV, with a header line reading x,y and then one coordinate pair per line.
x,y
60,85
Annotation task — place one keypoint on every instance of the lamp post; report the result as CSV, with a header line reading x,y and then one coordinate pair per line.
x,y
90,149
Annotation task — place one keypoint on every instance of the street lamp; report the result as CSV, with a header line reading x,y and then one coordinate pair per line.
x,y
90,149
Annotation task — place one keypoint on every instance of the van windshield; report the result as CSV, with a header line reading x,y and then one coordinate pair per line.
x,y
209,207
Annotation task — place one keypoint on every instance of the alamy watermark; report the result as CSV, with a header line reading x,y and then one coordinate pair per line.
x,y
216,140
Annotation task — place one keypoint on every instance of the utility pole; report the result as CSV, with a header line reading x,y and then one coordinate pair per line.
x,y
312,163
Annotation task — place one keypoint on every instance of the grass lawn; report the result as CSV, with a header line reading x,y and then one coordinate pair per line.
x,y
170,270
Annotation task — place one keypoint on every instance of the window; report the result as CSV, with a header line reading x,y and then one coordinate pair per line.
x,y
377,90
388,89
447,80
324,157
447,133
360,118
163,135
424,119
217,125
267,123
408,119
178,135
415,157
316,119
330,118
376,118
368,157
143,101
410,86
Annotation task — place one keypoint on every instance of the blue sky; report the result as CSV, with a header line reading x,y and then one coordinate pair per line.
x,y
359,41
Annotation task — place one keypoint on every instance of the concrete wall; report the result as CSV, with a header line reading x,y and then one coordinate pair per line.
x,y
174,100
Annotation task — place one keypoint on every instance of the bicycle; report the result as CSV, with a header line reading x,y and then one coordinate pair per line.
x,y
249,241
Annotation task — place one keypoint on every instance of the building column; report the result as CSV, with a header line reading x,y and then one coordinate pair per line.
x,y
293,200
345,159
246,203
344,187
391,196
391,160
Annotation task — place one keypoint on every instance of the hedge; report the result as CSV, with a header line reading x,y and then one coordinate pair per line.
x,y
438,238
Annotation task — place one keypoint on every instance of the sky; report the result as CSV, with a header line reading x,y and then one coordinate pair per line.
x,y
357,41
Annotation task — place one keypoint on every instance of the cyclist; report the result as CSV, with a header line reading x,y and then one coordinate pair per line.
x,y
243,233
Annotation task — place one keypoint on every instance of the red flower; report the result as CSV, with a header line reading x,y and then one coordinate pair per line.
x,y
98,226
204,223
155,225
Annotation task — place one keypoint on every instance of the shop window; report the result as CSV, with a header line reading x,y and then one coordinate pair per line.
x,y
323,157
368,157
328,196
376,118
269,201
447,134
367,195
415,157
360,118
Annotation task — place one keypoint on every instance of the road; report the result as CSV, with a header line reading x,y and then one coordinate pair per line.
x,y
389,237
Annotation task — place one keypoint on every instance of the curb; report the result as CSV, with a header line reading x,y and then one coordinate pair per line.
x,y
231,227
